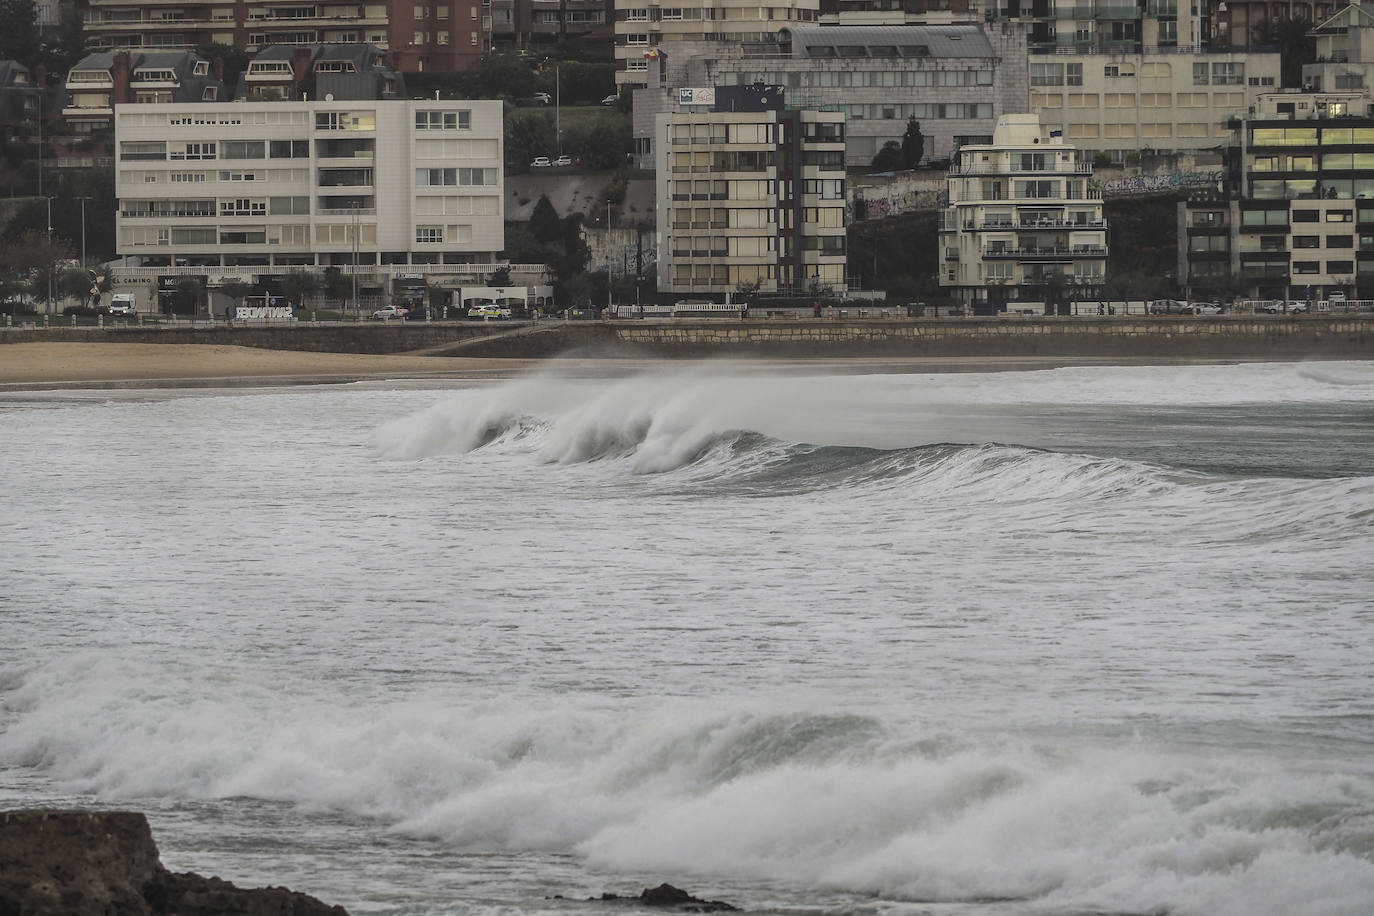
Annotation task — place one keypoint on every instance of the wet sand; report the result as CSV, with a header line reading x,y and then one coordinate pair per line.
x,y
37,366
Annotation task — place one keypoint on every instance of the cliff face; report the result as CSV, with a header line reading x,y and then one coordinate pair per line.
x,y
83,863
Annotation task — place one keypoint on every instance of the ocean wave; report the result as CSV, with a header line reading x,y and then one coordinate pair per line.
x,y
823,798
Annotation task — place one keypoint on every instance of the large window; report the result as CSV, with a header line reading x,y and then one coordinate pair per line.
x,y
443,120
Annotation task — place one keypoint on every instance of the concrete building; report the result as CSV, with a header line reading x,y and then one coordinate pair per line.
x,y
1296,218
644,29
1109,26
1022,223
1176,102
955,80
99,82
428,36
405,189
751,196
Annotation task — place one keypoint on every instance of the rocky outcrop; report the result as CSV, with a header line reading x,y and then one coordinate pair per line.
x,y
665,895
105,863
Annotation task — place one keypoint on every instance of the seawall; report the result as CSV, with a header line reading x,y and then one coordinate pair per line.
x,y
1218,337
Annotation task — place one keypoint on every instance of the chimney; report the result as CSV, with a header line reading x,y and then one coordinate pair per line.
x,y
120,96
300,65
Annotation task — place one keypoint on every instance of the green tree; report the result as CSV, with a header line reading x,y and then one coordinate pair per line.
x,y
299,285
336,285
1296,44
544,224
233,60
19,36
889,158
237,290
70,45
190,292
528,133
913,144
76,282
499,277
600,142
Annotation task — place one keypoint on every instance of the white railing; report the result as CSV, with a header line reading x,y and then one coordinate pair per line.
x,y
383,272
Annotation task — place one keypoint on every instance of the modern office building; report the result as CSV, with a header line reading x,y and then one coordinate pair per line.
x,y
751,196
417,36
644,30
248,191
1295,219
956,80
1120,103
1022,223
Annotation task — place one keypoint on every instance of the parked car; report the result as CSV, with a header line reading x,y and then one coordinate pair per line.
x,y
489,310
1336,296
1298,307
610,99
541,98
1202,308
388,312
541,162
563,160
1167,307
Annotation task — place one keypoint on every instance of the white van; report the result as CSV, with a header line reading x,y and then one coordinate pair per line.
x,y
123,304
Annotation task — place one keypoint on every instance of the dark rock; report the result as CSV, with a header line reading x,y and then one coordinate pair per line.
x,y
666,895
94,863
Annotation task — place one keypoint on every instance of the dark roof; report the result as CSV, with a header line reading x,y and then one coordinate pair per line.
x,y
888,41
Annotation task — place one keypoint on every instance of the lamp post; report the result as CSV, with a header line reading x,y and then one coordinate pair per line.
x,y
608,259
52,263
356,311
83,229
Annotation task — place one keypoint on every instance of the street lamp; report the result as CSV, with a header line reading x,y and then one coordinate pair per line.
x,y
52,262
608,259
356,311
83,229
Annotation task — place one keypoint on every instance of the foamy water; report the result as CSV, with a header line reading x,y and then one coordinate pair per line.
x,y
1083,640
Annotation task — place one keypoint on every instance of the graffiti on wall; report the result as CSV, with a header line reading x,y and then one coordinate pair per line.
x,y
905,196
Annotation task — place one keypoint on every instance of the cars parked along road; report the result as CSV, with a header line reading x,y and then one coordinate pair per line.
x,y
489,310
541,162
563,160
388,312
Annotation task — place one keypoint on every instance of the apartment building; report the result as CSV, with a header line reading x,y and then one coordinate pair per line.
x,y
417,36
1108,26
1296,217
644,30
339,72
1022,223
100,81
523,23
20,95
956,80
1345,53
250,190
899,12
1120,103
751,196
1246,23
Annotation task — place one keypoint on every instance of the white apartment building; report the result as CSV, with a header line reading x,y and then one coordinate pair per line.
x,y
1120,103
1022,223
750,196
643,28
253,189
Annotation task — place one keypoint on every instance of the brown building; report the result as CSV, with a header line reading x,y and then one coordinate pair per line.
x,y
522,23
418,36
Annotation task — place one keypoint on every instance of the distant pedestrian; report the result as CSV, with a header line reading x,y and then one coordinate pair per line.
x,y
816,310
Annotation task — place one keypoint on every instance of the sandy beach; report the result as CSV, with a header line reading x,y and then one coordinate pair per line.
x,y
38,366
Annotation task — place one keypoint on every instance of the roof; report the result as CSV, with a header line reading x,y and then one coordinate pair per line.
x,y
888,41
1352,17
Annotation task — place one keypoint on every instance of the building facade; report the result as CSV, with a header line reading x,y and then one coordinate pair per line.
x,y
528,23
251,190
1120,103
1345,53
1296,217
1022,223
417,36
644,29
1109,26
956,80
899,12
99,82
751,197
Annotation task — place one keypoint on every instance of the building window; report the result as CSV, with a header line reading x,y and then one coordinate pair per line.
x,y
1306,267
443,120
425,235
1048,74
1228,74
1073,75
1200,74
